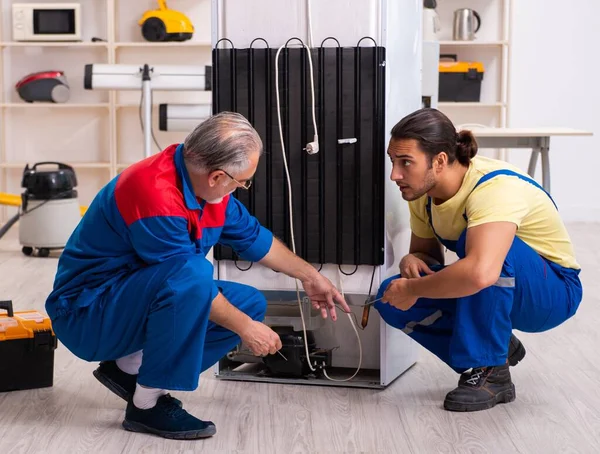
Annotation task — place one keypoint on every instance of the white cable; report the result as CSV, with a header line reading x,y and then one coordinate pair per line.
x,y
309,21
312,147
290,199
357,337
289,183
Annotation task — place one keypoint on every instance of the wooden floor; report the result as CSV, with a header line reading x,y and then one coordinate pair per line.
x,y
557,408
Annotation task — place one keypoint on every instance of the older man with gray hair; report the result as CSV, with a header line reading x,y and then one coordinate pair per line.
x,y
135,291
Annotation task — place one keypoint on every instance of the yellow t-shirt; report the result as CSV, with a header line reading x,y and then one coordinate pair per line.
x,y
502,198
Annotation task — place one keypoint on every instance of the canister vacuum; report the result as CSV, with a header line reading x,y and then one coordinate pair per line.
x,y
49,210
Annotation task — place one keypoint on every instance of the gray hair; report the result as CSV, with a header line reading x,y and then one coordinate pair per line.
x,y
223,142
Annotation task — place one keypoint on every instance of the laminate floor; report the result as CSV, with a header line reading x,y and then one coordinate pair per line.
x,y
557,408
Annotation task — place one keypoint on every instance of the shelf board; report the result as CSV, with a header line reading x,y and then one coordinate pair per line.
x,y
169,44
132,105
165,44
77,165
44,105
156,105
53,44
474,43
470,104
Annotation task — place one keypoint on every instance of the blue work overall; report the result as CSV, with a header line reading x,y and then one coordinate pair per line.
x,y
134,275
533,294
162,309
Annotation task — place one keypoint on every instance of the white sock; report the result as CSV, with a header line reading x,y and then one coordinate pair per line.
x,y
145,398
130,364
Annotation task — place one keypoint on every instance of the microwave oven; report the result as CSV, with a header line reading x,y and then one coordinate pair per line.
x,y
46,21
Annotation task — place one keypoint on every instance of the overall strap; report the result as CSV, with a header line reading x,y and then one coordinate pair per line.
x,y
495,173
482,180
428,208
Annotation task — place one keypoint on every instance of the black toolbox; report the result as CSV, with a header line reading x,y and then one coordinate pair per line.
x,y
27,344
459,81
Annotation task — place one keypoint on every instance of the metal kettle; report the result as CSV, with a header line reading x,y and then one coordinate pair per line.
x,y
464,27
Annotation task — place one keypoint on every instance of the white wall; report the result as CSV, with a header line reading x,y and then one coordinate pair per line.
x,y
243,21
554,82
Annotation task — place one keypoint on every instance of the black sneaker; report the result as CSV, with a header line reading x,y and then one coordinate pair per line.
x,y
483,388
119,382
167,419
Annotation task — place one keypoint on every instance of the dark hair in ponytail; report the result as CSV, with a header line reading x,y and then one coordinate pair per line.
x,y
435,133
466,147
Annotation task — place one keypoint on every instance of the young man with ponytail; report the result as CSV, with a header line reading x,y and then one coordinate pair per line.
x,y
516,267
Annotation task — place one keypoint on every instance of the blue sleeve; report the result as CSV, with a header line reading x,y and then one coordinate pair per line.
x,y
244,234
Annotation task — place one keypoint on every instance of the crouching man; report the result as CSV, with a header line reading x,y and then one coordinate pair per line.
x,y
135,291
516,267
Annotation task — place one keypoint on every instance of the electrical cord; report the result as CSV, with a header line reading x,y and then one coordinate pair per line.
x,y
354,325
142,121
311,148
289,183
309,22
6,227
360,353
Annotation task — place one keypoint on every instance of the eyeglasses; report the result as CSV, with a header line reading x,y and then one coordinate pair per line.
x,y
245,185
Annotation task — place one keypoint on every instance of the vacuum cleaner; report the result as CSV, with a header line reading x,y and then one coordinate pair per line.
x,y
44,86
49,210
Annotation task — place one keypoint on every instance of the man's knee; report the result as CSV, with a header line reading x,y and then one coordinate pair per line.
x,y
190,273
195,266
182,282
246,298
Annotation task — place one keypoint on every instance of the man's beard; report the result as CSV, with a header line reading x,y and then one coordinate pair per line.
x,y
417,193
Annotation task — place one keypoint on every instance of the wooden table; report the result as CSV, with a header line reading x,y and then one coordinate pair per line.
x,y
537,139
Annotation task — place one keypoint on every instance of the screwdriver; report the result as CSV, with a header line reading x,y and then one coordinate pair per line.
x,y
368,303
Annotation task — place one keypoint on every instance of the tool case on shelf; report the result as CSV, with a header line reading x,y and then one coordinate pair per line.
x,y
459,81
27,344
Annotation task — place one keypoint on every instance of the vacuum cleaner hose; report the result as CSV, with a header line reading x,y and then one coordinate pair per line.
x,y
6,227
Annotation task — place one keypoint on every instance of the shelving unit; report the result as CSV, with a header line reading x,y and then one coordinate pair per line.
x,y
42,44
167,44
97,132
492,47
